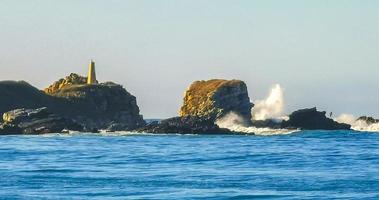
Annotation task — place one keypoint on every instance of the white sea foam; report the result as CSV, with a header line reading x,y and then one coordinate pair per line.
x,y
271,107
358,125
234,122
119,133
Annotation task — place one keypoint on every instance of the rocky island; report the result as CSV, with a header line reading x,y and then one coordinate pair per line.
x,y
311,119
205,102
81,103
97,106
85,102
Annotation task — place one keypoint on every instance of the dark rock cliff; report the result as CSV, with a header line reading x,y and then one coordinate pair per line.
x,y
20,94
99,106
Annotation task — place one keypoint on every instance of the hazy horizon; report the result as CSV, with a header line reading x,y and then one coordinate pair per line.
x,y
323,53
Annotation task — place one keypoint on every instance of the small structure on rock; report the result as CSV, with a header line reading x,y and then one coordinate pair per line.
x,y
74,79
91,79
91,104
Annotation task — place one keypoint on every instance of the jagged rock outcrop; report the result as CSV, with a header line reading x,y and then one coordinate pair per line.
x,y
185,125
36,121
311,119
215,98
368,120
19,115
98,106
72,79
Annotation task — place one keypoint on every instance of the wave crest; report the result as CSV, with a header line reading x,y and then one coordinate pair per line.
x,y
234,122
357,125
271,107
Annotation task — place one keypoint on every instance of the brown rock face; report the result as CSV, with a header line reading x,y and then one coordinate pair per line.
x,y
215,98
72,79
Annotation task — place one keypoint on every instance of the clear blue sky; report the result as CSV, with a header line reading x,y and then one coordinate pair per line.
x,y
324,53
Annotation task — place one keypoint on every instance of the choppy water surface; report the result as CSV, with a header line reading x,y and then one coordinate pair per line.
x,y
305,165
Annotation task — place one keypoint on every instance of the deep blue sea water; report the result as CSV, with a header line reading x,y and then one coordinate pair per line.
x,y
304,165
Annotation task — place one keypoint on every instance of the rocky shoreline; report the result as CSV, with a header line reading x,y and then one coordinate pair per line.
x,y
36,121
71,104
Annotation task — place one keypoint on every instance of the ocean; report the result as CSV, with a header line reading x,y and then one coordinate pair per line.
x,y
302,165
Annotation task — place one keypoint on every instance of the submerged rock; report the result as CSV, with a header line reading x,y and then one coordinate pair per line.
x,y
185,125
215,98
311,119
36,121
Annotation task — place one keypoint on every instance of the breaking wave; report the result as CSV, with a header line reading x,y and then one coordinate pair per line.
x,y
357,125
271,107
234,122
